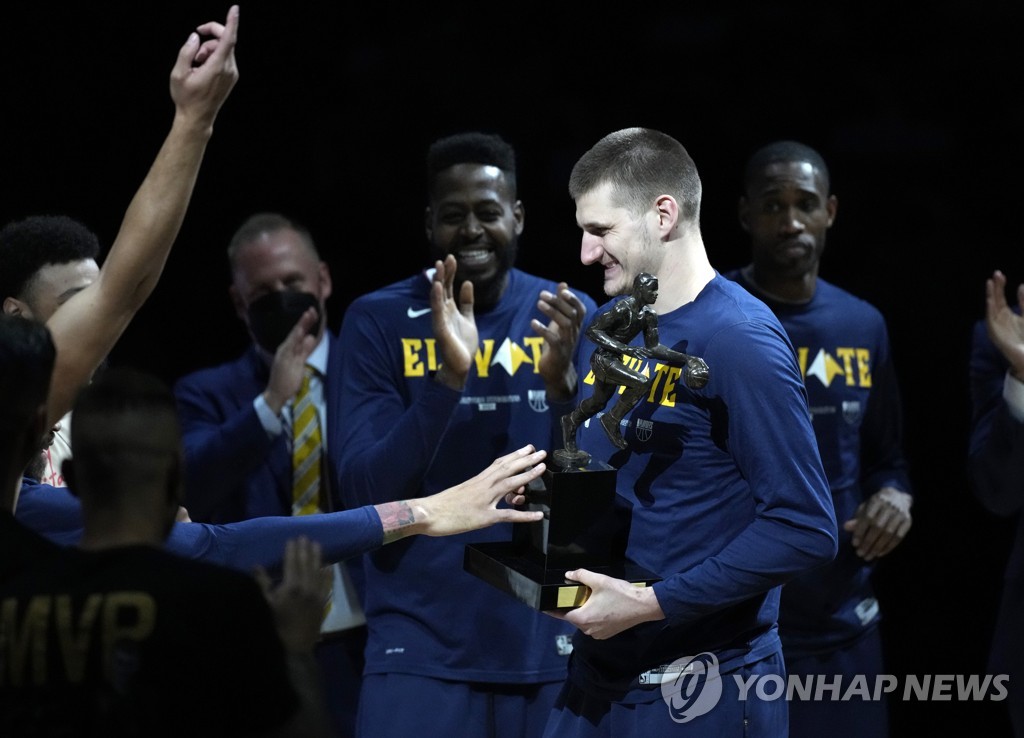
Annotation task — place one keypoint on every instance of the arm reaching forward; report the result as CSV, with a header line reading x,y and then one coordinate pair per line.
x,y
470,505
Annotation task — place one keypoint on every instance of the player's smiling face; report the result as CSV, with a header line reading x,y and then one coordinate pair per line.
x,y
621,242
473,214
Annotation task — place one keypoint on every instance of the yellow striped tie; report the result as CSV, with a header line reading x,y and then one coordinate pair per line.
x,y
306,450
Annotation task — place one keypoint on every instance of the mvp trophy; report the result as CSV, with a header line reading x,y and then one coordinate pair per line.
x,y
584,524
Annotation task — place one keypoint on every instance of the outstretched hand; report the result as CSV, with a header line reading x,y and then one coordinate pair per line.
x,y
454,324
566,312
206,70
1005,327
474,503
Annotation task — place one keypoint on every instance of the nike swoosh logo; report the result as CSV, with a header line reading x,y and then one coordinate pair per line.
x,y
417,313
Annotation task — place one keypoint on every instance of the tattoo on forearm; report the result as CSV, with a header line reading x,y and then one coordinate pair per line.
x,y
395,516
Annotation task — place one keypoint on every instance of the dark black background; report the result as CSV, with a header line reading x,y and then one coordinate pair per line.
x,y
915,110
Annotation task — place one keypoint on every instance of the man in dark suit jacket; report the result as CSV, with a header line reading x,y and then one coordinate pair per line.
x,y
237,417
996,464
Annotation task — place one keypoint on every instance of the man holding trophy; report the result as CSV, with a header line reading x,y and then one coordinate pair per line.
x,y
718,469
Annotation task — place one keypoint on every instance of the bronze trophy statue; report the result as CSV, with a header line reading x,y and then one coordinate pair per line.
x,y
582,525
611,331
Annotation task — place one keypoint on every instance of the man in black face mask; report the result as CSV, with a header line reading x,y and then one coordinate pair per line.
x,y
236,417
259,438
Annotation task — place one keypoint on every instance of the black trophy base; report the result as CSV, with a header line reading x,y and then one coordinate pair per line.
x,y
570,459
505,566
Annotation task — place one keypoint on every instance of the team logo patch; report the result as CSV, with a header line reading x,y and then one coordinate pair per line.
x,y
644,430
538,400
851,411
563,644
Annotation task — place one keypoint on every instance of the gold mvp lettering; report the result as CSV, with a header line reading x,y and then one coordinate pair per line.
x,y
102,621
